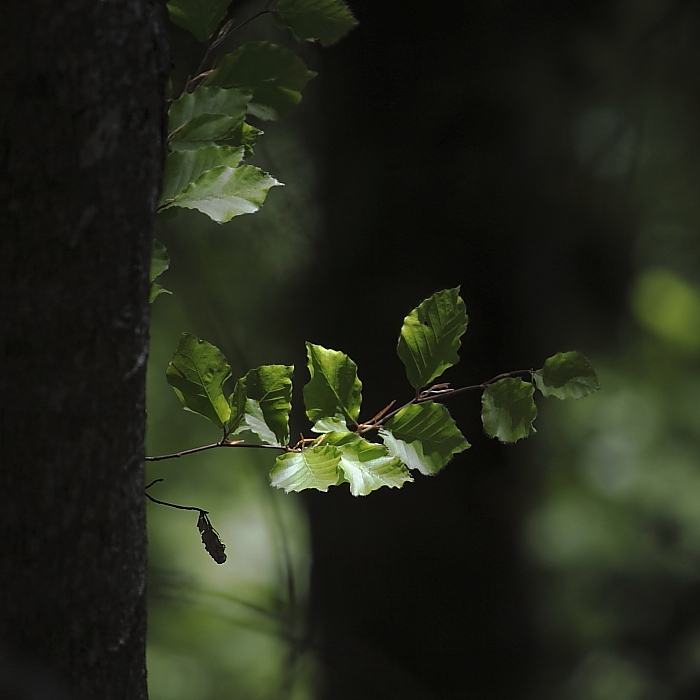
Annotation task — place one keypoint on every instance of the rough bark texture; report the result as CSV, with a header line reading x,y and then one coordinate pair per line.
x,y
81,158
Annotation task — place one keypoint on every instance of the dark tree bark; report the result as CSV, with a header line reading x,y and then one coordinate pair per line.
x,y
81,158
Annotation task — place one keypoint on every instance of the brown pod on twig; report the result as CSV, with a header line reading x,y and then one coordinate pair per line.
x,y
210,537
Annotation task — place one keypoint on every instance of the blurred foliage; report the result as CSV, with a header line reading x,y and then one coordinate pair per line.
x,y
615,539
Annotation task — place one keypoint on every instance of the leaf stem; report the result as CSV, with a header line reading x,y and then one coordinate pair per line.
x,y
172,505
426,396
438,392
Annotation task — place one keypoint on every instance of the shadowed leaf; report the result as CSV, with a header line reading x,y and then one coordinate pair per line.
x,y
325,21
508,409
261,402
201,17
567,375
334,393
196,373
273,74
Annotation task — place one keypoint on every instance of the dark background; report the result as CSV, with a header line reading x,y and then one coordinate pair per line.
x,y
544,157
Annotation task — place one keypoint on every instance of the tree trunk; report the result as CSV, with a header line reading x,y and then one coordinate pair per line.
x,y
81,154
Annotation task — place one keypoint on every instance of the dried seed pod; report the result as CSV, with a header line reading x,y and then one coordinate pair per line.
x,y
210,537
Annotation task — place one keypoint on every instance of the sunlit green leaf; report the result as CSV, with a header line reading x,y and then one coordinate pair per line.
x,y
508,409
314,468
366,465
222,193
329,425
567,375
334,391
326,21
430,335
261,402
424,437
196,373
183,167
201,17
274,75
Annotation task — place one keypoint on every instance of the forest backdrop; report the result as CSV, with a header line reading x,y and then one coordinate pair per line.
x,y
544,158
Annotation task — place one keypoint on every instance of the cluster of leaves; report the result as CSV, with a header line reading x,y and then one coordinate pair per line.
x,y
421,435
209,135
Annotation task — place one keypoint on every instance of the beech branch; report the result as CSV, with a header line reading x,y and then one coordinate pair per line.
x,y
439,392
214,445
436,392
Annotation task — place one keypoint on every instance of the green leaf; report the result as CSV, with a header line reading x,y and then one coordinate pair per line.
x,y
261,402
326,21
330,425
249,136
508,409
184,167
201,17
567,375
222,193
334,391
208,117
160,262
207,100
197,373
156,291
237,405
366,465
424,437
430,335
207,130
274,75
315,468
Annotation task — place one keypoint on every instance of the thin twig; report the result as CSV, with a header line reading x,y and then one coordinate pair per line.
x,y
484,385
221,443
174,455
174,505
430,394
